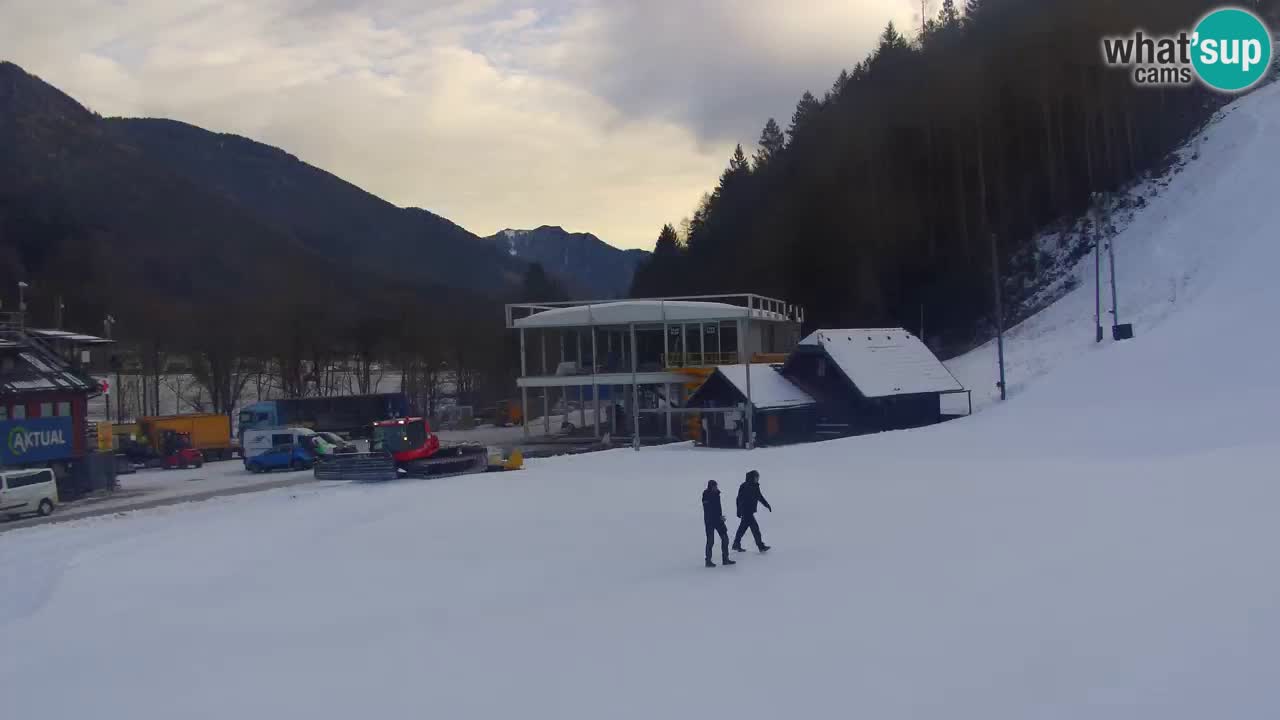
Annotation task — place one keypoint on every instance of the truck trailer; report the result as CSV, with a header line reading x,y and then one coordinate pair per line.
x,y
208,433
350,415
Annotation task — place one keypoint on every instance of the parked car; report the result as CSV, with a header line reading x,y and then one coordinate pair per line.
x,y
339,443
28,491
281,457
257,442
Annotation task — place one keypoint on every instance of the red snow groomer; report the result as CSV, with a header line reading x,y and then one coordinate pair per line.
x,y
404,446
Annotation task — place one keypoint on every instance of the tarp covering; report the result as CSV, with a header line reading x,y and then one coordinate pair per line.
x,y
625,312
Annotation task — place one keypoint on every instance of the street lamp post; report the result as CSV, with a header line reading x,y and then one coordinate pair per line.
x,y
22,303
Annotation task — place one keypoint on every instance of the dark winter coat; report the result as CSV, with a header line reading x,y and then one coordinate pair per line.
x,y
750,498
712,514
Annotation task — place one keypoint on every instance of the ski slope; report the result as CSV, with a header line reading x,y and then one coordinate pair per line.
x,y
1100,546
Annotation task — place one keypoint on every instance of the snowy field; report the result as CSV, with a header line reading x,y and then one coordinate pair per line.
x,y
1100,546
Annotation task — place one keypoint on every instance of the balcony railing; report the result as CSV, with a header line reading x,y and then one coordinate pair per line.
x,y
699,359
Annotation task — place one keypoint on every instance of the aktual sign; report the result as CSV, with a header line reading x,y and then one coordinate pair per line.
x,y
35,440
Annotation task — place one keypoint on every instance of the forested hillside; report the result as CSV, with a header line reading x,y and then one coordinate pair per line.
x,y
995,122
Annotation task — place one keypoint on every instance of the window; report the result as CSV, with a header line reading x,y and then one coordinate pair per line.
x,y
62,409
4,412
19,412
17,480
46,410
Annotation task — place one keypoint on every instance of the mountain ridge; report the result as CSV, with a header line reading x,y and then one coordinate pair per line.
x,y
590,266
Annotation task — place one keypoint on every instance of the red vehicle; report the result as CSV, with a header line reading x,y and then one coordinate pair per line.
x,y
178,452
407,445
418,451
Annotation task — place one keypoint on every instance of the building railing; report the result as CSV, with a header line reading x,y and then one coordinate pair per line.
x,y
699,359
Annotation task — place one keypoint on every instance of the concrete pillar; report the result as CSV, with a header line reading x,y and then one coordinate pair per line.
x,y
524,411
668,394
635,392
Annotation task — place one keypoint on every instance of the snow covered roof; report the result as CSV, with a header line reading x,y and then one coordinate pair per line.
x,y
33,368
884,361
76,338
769,389
625,312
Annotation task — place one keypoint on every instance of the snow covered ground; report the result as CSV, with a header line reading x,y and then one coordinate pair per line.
x,y
1099,546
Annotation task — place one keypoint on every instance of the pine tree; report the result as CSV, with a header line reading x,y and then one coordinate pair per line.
x,y
805,110
949,16
772,142
538,286
972,9
668,244
738,163
842,81
891,39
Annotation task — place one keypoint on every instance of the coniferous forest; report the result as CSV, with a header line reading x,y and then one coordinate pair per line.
x,y
885,194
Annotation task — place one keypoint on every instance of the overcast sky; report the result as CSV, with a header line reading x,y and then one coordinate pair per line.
x,y
603,116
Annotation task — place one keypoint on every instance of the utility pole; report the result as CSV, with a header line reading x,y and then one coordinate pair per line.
x,y
22,304
58,308
1097,276
1111,260
995,282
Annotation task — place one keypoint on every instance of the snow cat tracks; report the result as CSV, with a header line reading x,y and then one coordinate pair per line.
x,y
357,467
450,461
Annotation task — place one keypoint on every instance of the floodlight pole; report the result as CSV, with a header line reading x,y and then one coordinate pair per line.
x,y
1097,279
995,282
1111,260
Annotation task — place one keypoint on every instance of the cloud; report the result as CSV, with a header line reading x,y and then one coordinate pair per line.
x,y
607,116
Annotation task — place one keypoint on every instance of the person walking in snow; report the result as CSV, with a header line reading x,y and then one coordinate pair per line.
x,y
713,520
749,500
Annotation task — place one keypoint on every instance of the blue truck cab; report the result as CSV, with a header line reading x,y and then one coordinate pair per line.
x,y
258,416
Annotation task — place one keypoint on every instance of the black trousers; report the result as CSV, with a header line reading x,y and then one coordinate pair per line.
x,y
713,527
748,521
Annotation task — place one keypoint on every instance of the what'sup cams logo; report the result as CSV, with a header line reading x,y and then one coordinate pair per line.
x,y
1229,51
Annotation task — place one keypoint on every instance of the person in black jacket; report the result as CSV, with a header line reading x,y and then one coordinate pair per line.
x,y
749,500
713,520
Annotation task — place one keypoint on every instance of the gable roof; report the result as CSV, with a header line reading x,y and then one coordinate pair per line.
x,y
769,389
884,361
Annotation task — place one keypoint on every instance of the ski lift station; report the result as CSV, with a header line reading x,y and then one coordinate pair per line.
x,y
729,370
631,364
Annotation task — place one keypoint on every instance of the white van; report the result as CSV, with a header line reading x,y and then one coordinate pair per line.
x,y
28,491
257,442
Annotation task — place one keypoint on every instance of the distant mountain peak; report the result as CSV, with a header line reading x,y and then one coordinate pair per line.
x,y
587,265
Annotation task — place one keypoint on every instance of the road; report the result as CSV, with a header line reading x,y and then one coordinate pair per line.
x,y
112,505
